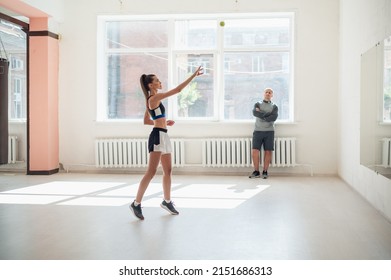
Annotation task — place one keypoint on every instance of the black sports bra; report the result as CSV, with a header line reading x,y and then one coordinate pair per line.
x,y
158,112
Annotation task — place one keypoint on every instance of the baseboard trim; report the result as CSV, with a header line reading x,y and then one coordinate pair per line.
x,y
42,172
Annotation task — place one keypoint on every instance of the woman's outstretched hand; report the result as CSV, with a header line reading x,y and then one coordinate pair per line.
x,y
199,71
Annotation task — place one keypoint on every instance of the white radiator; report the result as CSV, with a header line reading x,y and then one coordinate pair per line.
x,y
132,152
236,152
226,152
386,152
12,149
284,152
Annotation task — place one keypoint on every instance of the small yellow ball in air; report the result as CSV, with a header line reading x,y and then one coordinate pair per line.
x,y
222,23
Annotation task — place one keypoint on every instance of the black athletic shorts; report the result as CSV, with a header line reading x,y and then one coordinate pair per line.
x,y
265,139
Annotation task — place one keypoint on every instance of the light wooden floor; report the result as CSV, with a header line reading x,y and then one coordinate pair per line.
x,y
86,216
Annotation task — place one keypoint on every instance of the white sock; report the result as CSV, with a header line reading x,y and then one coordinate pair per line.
x,y
136,203
167,201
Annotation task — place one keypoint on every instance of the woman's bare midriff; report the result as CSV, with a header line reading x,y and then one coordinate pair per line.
x,y
160,123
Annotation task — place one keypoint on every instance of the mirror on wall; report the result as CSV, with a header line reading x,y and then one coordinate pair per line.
x,y
375,108
13,95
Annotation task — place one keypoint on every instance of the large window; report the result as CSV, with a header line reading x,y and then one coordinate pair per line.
x,y
241,54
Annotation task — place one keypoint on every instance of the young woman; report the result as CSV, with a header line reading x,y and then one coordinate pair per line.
x,y
159,144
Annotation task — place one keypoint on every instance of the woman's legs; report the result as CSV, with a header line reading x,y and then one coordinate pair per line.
x,y
167,169
154,158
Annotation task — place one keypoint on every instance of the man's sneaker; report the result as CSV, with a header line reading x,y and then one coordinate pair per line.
x,y
264,174
136,210
255,174
169,207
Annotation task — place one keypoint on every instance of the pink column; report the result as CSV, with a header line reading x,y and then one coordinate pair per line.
x,y
43,129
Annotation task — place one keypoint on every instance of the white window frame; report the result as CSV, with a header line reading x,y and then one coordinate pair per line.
x,y
16,63
102,107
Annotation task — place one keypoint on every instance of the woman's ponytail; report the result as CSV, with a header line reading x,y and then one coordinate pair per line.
x,y
143,86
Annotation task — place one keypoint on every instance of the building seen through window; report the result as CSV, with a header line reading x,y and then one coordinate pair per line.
x,y
13,40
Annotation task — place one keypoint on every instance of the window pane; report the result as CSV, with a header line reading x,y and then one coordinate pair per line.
x,y
18,91
257,32
246,75
197,99
195,34
125,97
387,80
137,34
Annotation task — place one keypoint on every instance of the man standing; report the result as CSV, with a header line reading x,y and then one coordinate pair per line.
x,y
265,113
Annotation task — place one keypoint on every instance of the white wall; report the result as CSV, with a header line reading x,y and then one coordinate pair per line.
x,y
316,78
363,24
52,8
